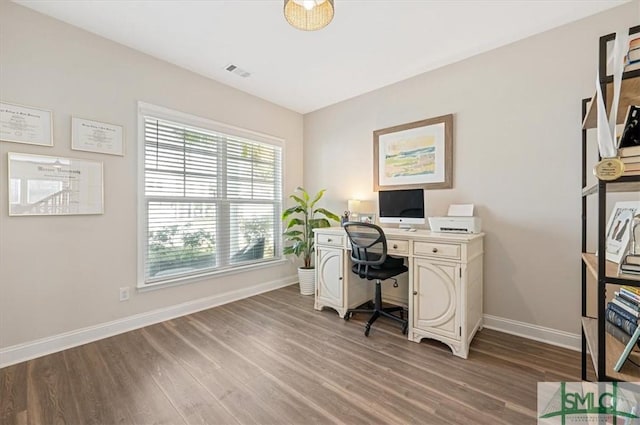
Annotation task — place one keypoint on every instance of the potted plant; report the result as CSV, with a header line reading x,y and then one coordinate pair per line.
x,y
300,221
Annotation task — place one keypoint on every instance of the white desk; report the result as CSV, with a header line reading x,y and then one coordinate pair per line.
x,y
443,288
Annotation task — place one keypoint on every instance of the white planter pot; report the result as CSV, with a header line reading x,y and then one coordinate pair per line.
x,y
307,279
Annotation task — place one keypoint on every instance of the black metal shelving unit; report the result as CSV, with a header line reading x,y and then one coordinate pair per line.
x,y
604,350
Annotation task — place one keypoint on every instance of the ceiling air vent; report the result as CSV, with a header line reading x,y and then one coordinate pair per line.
x,y
234,69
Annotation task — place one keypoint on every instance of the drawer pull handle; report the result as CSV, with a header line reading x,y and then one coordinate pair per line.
x,y
329,240
434,250
415,292
340,278
395,246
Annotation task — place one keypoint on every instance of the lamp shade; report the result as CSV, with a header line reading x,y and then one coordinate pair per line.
x,y
353,205
308,15
367,207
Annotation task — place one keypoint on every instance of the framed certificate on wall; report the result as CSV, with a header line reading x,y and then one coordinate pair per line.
x,y
94,136
24,124
49,185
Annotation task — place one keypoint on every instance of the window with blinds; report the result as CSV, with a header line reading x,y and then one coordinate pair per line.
x,y
212,200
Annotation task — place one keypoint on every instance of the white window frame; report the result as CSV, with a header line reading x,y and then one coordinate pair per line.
x,y
206,124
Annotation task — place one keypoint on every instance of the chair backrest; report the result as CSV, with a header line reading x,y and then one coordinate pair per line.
x,y
368,245
252,251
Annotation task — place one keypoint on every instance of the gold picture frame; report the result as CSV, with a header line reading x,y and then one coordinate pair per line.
x,y
417,155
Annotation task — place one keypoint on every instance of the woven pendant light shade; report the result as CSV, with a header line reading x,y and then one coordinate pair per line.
x,y
308,19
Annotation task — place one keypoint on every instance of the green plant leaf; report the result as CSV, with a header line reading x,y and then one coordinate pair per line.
x,y
317,197
301,202
291,210
295,222
320,222
304,193
327,213
301,238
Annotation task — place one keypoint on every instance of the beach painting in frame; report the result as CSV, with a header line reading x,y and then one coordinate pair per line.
x,y
414,155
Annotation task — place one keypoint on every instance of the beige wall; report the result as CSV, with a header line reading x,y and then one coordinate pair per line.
x,y
59,274
516,156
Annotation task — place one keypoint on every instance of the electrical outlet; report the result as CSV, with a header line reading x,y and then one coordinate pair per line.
x,y
124,293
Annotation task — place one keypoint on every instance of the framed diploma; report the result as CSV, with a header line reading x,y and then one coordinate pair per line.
x,y
94,136
49,185
23,124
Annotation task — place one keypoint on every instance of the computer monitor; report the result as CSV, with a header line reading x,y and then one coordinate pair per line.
x,y
404,207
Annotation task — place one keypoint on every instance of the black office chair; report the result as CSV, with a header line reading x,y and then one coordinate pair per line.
x,y
369,255
254,250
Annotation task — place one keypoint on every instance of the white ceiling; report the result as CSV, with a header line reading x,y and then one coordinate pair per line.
x,y
369,44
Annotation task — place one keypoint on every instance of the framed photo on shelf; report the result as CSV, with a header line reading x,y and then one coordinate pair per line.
x,y
99,137
50,185
417,155
619,229
25,124
368,218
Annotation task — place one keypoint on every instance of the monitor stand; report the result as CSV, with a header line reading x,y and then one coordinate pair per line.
x,y
406,227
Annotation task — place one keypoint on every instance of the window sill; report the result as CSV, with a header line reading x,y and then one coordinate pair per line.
x,y
183,280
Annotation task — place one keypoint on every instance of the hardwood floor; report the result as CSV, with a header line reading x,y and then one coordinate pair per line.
x,y
272,359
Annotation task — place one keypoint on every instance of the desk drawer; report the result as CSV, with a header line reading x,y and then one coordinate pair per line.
x,y
397,247
436,249
332,240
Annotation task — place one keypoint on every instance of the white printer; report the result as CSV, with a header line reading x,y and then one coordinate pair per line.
x,y
459,219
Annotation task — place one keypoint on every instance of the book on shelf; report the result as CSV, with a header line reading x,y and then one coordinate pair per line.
x,y
632,259
633,53
617,333
630,268
633,56
630,160
629,296
626,298
629,326
631,66
622,312
631,173
626,265
631,132
631,167
630,151
620,307
629,303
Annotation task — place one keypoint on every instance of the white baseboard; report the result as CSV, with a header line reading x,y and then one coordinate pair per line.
x,y
40,347
535,332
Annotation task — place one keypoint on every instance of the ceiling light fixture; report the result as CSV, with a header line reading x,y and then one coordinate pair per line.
x,y
308,15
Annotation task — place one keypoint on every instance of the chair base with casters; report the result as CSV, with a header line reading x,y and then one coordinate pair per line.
x,y
371,262
378,311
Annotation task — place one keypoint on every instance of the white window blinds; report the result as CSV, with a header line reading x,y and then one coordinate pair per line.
x,y
212,200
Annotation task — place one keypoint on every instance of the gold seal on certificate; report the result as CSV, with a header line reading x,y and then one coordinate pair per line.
x,y
609,169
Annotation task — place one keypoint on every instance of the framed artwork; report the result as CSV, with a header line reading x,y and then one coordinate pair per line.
x,y
49,185
418,155
94,136
24,124
619,229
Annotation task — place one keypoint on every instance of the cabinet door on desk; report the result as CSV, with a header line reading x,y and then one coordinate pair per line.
x,y
329,270
436,294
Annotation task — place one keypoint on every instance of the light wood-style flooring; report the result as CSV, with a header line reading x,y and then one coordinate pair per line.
x,y
272,359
